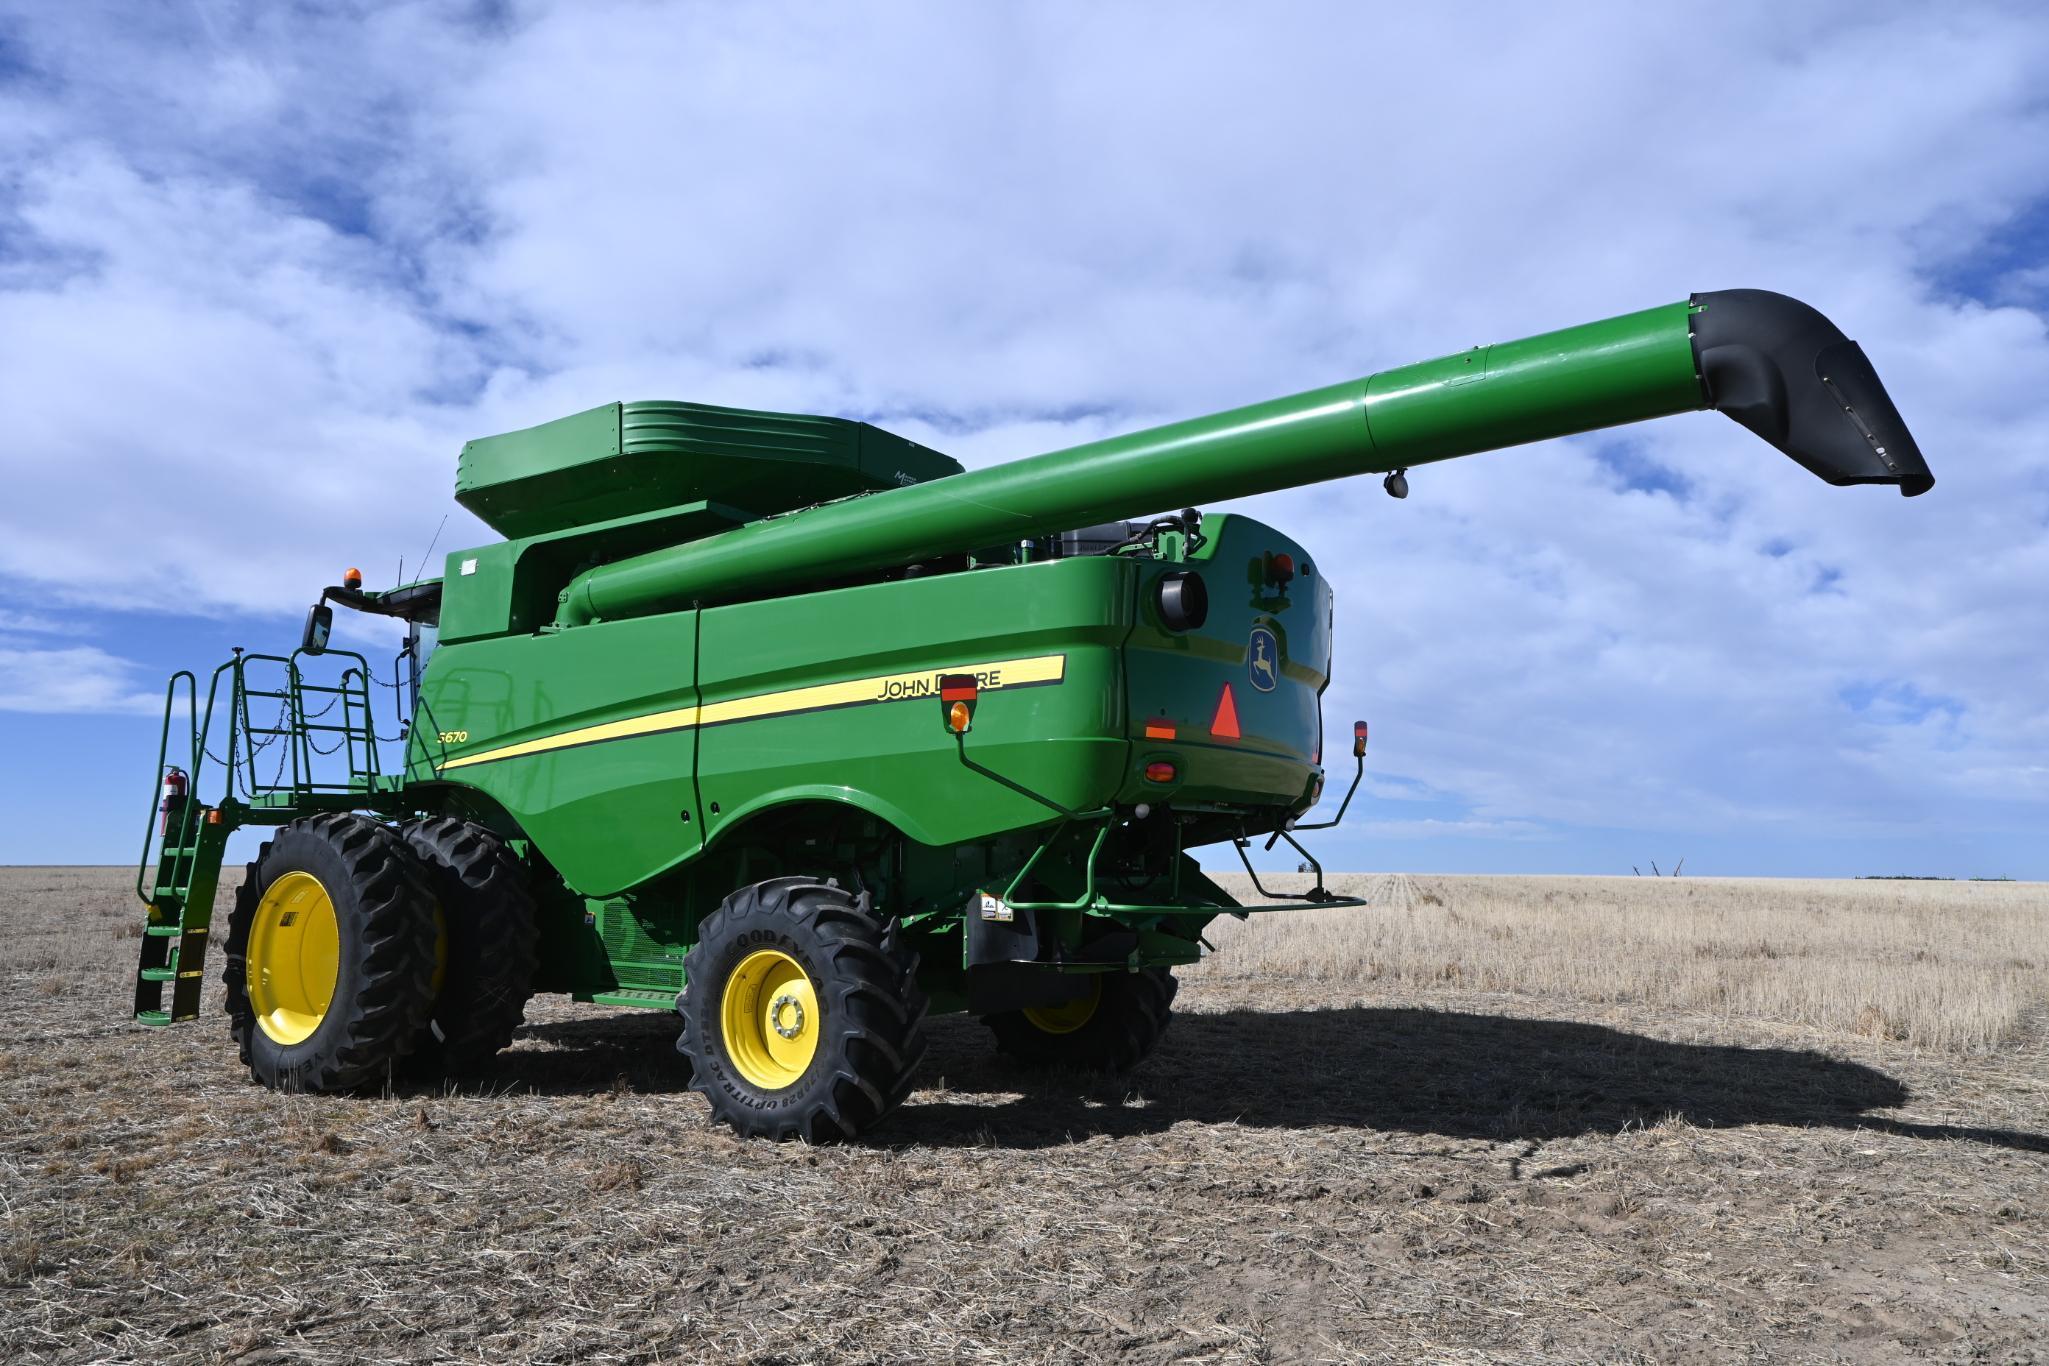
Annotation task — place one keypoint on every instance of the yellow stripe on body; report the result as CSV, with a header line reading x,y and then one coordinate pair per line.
x,y
682,718
924,683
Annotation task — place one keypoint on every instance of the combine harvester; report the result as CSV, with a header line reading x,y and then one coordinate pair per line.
x,y
796,728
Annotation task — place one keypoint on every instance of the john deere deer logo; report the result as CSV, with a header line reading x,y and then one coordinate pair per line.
x,y
1263,659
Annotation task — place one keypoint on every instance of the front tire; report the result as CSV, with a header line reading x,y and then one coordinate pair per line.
x,y
491,952
801,1012
1112,1029
330,959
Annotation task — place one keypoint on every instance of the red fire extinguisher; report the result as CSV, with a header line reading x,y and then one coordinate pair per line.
x,y
174,797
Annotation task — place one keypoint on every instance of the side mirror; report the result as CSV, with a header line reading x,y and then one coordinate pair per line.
x,y
319,626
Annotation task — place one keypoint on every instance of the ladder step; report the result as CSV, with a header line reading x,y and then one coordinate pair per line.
x,y
155,1018
162,931
158,974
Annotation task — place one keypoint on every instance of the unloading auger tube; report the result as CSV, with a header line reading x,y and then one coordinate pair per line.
x,y
1770,362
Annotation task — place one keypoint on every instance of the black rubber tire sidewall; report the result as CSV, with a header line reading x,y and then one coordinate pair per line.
x,y
752,933
384,967
871,1011
489,923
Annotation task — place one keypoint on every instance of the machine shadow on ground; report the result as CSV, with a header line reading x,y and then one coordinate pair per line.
x,y
633,1051
1424,1072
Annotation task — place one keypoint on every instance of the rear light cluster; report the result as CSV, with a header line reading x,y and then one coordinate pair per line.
x,y
1160,771
1279,569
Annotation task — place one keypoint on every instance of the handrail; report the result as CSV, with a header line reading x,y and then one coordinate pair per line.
x,y
150,827
239,758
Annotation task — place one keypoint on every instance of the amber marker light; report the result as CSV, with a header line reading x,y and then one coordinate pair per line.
x,y
1159,728
353,578
957,694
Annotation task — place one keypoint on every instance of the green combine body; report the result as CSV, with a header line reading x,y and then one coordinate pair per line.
x,y
797,728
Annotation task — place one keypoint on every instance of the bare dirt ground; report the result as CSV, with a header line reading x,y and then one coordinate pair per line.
x,y
1369,1161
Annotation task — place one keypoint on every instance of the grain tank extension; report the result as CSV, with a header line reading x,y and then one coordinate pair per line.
x,y
800,730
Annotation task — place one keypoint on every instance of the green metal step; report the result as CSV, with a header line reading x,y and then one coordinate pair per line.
x,y
162,931
158,974
154,1018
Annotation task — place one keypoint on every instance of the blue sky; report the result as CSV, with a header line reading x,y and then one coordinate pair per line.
x,y
264,267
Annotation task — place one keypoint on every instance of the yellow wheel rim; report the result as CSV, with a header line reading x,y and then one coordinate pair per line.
x,y
1068,1016
294,954
769,1018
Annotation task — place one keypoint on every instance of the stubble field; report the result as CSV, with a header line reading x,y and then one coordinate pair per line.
x,y
1526,1119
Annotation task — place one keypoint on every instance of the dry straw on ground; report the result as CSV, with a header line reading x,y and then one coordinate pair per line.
x,y
1629,1123
1949,965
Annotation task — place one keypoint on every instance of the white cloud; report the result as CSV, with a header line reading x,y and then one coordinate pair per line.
x,y
79,679
268,281
13,622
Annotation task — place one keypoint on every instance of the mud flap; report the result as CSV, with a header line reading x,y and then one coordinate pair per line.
x,y
1012,955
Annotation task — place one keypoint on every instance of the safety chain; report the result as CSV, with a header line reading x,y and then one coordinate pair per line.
x,y
243,775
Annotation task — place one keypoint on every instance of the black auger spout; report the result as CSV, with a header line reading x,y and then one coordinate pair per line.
x,y
1787,373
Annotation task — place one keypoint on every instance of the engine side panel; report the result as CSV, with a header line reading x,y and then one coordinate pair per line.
x,y
622,748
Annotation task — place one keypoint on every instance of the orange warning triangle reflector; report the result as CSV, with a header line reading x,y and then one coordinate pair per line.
x,y
1225,723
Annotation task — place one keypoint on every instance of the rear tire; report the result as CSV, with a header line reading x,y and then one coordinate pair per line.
x,y
801,1012
340,979
491,945
1112,1031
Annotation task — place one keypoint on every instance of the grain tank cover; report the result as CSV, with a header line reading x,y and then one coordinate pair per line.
x,y
629,458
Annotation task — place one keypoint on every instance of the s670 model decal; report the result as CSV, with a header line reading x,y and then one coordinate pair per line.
x,y
924,683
